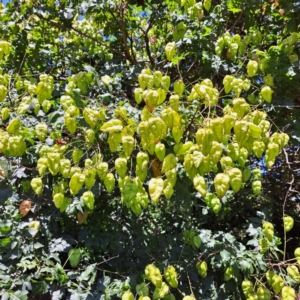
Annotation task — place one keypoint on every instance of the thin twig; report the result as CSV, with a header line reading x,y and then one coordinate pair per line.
x,y
148,49
147,42
22,62
237,20
125,34
59,25
191,288
285,199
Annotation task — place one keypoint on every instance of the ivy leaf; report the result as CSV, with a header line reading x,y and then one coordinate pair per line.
x,y
75,297
4,280
225,255
85,276
205,236
60,245
57,295
84,7
20,173
251,230
68,13
103,283
90,69
246,266
230,238
253,243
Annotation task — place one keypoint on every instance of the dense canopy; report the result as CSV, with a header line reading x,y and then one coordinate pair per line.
x,y
149,149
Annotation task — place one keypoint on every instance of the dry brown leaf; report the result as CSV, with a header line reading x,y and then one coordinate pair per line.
x,y
281,11
82,217
156,166
25,207
153,39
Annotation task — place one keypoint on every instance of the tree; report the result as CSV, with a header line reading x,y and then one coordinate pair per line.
x,y
149,148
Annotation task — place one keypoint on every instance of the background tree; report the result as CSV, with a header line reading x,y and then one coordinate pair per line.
x,y
149,148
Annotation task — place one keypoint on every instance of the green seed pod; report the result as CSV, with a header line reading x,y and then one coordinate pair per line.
x,y
278,284
77,155
42,165
288,293
200,185
127,296
258,148
170,50
293,272
64,167
228,274
128,143
252,68
138,95
160,151
88,199
266,93
236,178
37,185
256,187
170,275
13,126
89,136
247,287
161,96
174,102
58,200
76,183
221,183
179,87
263,293
46,105
4,137
121,167
268,230
165,82
53,160
226,162
288,223
256,174
109,182
5,112
268,79
233,151
202,268
153,274
90,174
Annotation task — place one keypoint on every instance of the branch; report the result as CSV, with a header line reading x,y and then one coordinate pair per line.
x,y
148,49
286,197
22,62
192,119
131,47
59,25
125,34
147,39
234,24
121,23
145,32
